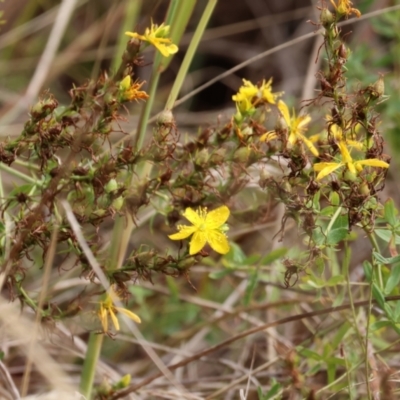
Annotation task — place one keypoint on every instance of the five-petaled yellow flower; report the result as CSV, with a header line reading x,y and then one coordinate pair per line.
x,y
157,36
343,7
130,91
208,227
326,168
250,95
107,309
296,126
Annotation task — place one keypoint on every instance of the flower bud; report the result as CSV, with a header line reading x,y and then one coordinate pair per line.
x,y
378,88
326,18
218,156
201,158
241,155
111,186
165,118
364,189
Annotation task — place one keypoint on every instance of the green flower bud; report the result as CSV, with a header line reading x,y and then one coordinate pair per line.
x,y
349,176
218,156
117,203
364,189
242,155
186,263
201,158
326,18
335,199
111,186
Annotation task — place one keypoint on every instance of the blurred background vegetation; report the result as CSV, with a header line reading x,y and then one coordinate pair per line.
x,y
246,290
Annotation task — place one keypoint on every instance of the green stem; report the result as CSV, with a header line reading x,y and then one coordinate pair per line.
x,y
190,54
16,173
346,265
89,365
132,10
144,117
375,246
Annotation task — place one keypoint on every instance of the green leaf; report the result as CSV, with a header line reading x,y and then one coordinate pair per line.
x,y
378,295
367,270
389,311
339,230
396,312
310,354
386,235
320,265
390,213
274,255
273,391
250,287
383,260
235,257
393,279
336,280
220,274
379,325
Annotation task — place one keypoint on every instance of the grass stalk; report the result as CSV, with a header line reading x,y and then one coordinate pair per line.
x,y
89,365
191,51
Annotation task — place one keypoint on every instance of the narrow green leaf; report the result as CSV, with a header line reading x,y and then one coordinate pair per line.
x,y
378,295
386,235
396,312
220,274
235,258
367,270
389,311
339,230
379,325
390,213
274,255
393,279
248,294
336,280
276,387
383,260
311,354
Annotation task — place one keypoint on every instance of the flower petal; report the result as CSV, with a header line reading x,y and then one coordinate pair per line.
x,y
114,319
310,145
373,162
218,241
326,169
135,35
195,217
217,217
129,314
184,232
271,135
302,121
198,241
283,108
103,318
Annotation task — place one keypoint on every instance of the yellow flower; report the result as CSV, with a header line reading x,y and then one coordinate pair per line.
x,y
208,227
255,94
337,134
343,7
296,126
107,309
157,36
131,91
326,168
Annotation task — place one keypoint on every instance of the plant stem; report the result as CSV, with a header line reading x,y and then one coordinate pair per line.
x,y
17,173
190,54
89,364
